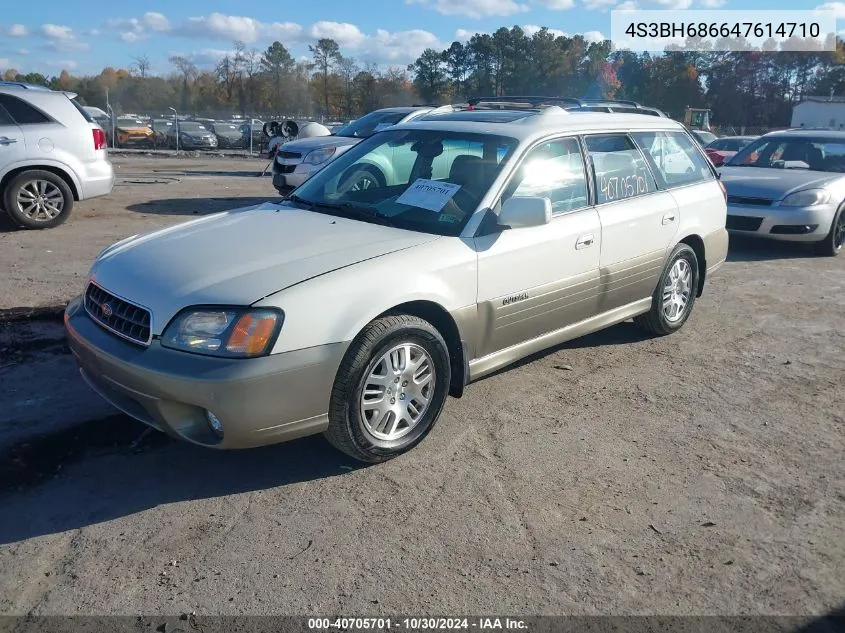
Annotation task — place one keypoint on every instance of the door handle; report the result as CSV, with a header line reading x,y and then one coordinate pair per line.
x,y
584,241
5,140
669,217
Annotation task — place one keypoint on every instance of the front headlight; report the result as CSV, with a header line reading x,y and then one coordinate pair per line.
x,y
227,332
319,155
806,198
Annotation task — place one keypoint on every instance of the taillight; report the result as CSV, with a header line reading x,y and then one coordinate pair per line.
x,y
99,138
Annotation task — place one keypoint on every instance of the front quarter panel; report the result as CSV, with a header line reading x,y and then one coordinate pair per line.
x,y
336,306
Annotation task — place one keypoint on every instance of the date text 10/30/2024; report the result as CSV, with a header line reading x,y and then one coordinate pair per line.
x,y
416,624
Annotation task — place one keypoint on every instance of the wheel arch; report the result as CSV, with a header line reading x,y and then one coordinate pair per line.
x,y
696,243
61,173
440,318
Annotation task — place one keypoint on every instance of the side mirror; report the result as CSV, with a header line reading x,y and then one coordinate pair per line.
x,y
519,212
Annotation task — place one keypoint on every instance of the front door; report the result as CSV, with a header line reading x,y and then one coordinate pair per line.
x,y
638,221
12,143
539,279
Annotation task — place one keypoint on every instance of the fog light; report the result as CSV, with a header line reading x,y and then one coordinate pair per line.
x,y
215,423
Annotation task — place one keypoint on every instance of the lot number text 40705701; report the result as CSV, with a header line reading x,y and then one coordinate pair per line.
x,y
416,624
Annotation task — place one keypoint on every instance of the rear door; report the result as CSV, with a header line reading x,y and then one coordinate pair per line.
x,y
12,142
682,170
638,221
536,280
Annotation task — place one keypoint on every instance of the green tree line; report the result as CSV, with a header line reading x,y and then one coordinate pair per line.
x,y
748,88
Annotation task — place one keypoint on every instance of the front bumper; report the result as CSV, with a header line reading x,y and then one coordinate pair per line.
x,y
259,401
294,174
790,224
197,144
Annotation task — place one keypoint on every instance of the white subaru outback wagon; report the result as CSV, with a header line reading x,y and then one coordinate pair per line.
x,y
356,312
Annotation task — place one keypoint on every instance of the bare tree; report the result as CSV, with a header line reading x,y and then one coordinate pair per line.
x,y
188,70
141,65
348,69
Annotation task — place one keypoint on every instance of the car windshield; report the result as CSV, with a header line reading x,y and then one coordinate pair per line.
x,y
704,137
188,126
371,123
420,180
131,122
815,153
222,127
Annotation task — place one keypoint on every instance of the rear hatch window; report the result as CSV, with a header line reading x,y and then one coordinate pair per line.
x,y
82,111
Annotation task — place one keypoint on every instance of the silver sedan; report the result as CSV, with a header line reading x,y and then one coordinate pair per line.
x,y
790,186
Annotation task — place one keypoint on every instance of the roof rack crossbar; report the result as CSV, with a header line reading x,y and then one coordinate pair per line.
x,y
532,101
627,102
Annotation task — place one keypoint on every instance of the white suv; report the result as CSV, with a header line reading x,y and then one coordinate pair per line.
x,y
356,311
51,154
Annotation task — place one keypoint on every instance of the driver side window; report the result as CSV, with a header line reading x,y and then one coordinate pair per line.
x,y
553,170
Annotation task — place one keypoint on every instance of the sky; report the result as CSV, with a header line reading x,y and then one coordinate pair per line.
x,y
83,36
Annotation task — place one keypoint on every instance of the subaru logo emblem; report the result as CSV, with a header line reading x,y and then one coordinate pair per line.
x,y
107,310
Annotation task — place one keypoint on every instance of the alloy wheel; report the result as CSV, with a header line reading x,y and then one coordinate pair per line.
x,y
397,392
40,200
677,291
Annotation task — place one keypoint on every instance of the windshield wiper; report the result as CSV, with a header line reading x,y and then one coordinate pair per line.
x,y
344,209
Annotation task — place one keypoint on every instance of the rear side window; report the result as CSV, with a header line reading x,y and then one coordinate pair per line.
x,y
674,157
619,168
21,111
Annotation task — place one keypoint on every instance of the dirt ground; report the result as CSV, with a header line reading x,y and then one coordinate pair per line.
x,y
700,473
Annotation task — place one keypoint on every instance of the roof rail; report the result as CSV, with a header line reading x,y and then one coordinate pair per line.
x,y
627,102
509,102
23,84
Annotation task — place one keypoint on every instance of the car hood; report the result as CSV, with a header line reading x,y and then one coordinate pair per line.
x,y
238,257
134,129
773,184
315,142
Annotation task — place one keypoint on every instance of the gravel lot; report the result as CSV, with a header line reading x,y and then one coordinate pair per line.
x,y
700,473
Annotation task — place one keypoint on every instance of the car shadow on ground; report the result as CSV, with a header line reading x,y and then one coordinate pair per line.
x,y
750,249
255,172
111,468
832,622
622,334
198,206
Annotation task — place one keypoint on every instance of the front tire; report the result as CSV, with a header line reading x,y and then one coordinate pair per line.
x,y
832,245
361,178
38,199
390,388
674,296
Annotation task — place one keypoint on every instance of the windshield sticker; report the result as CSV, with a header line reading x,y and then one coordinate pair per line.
x,y
429,194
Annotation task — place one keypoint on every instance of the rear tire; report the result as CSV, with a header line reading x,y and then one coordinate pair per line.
x,y
382,381
674,296
38,199
832,245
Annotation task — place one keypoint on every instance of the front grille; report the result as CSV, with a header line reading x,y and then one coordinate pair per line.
x,y
116,315
283,154
741,223
754,202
